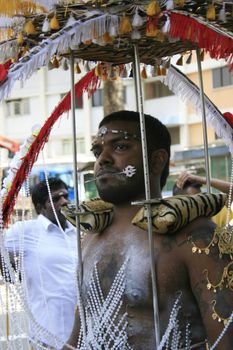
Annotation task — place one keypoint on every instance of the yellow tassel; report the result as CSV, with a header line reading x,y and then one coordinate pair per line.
x,y
202,55
77,69
107,38
29,28
152,30
159,71
98,71
24,50
104,76
160,36
88,42
54,24
179,62
20,38
9,33
211,13
143,73
163,71
125,25
153,8
56,63
179,3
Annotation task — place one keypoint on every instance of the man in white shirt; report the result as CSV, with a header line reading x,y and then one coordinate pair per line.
x,y
47,246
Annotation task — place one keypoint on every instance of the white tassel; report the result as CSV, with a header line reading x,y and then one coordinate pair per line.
x,y
222,14
70,21
166,27
137,20
65,65
135,35
170,5
46,25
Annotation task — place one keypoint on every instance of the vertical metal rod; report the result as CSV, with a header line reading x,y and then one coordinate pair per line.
x,y
76,195
135,85
148,195
205,137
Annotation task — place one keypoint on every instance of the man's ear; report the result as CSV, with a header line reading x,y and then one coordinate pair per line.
x,y
38,208
158,161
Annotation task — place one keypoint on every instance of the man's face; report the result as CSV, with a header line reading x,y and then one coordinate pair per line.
x,y
60,198
115,149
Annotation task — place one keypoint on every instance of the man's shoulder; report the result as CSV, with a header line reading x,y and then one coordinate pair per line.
x,y
201,226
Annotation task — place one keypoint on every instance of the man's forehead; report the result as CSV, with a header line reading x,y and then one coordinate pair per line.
x,y
59,191
124,132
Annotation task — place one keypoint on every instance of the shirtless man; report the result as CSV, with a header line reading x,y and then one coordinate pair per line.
x,y
179,271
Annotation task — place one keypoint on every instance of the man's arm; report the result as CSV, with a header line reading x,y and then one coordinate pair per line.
x,y
222,186
73,340
210,281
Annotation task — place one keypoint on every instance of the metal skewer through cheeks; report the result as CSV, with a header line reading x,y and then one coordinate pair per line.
x,y
128,171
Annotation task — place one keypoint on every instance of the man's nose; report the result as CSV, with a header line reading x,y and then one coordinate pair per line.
x,y
105,157
64,200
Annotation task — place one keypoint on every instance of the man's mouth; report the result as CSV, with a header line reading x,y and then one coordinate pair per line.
x,y
104,173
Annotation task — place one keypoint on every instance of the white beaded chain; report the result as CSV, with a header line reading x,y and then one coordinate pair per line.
x,y
230,195
223,332
105,327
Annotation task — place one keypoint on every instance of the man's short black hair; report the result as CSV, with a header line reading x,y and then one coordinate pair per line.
x,y
40,191
177,190
157,134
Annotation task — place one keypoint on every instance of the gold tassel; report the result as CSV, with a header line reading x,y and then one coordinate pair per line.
x,y
24,50
20,38
152,30
107,38
211,13
54,24
29,28
179,62
88,42
98,71
163,71
56,63
159,70
153,8
77,69
179,3
202,55
104,76
125,25
189,59
143,73
9,33
160,36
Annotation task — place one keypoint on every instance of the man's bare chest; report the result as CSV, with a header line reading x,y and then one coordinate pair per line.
x,y
107,256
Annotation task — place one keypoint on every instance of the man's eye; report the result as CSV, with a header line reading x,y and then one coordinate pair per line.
x,y
96,153
121,146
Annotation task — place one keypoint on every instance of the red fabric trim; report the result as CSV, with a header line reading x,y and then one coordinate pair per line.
x,y
88,83
229,118
187,28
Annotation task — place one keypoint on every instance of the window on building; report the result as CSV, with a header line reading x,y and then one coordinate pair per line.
x,y
221,167
80,142
97,98
175,135
67,147
78,101
18,107
222,77
156,89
